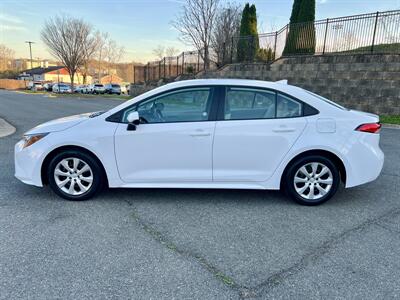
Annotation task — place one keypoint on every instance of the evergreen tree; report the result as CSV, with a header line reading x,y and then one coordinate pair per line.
x,y
301,36
244,31
255,45
248,44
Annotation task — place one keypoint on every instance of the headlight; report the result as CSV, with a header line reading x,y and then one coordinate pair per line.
x,y
30,139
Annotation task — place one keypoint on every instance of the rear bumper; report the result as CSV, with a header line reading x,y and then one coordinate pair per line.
x,y
365,159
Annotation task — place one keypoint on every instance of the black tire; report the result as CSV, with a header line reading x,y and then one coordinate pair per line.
x,y
288,183
98,175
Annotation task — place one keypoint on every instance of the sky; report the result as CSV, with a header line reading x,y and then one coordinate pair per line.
x,y
142,25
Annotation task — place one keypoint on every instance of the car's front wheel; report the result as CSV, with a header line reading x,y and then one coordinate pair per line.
x,y
311,180
75,175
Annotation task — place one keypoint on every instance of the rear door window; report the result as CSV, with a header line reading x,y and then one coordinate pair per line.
x,y
247,103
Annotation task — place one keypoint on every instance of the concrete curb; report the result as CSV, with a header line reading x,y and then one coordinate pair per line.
x,y
5,128
391,126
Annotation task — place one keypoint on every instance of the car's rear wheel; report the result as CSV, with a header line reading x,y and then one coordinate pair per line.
x,y
75,175
311,180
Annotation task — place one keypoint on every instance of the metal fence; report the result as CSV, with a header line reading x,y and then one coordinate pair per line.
x,y
186,63
367,33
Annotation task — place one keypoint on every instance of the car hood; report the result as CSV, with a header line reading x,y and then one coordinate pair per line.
x,y
60,124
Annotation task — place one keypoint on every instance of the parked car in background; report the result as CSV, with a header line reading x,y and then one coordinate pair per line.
x,y
61,88
112,88
48,86
97,88
85,89
213,133
79,88
123,89
35,86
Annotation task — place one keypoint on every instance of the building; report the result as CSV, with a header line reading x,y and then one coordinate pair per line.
x,y
25,63
111,79
53,74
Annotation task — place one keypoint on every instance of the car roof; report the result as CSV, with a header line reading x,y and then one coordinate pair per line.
x,y
218,81
281,86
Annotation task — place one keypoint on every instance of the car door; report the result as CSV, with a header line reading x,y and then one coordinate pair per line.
x,y
254,131
173,143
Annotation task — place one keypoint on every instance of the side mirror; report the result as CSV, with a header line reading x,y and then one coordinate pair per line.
x,y
133,119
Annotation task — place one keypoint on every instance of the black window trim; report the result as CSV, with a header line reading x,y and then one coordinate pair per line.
x,y
212,116
221,106
218,93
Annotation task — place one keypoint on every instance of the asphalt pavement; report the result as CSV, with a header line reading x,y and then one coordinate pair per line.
x,y
192,244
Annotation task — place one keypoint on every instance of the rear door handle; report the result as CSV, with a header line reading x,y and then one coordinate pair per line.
x,y
199,133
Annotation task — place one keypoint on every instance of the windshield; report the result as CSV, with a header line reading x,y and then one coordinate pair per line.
x,y
327,100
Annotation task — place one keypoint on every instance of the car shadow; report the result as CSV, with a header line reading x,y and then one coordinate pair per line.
x,y
206,196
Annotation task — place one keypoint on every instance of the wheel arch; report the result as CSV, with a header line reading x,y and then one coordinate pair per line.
x,y
328,154
54,152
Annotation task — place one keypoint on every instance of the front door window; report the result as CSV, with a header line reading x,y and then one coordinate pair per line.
x,y
191,105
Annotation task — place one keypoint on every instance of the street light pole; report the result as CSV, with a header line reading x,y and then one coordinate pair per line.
x,y
30,51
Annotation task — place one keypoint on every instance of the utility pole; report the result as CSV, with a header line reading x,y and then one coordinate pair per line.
x,y
30,51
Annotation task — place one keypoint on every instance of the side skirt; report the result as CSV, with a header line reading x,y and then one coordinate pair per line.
x,y
196,185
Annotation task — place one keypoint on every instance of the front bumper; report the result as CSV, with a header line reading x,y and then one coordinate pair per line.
x,y
28,162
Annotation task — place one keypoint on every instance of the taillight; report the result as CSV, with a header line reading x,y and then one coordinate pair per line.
x,y
369,127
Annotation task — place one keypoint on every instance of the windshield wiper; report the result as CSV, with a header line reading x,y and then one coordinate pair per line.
x,y
96,114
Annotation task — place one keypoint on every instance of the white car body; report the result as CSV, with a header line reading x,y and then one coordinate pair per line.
x,y
245,154
79,88
61,88
97,88
124,89
35,86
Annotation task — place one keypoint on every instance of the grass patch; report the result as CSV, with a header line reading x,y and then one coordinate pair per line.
x,y
225,279
394,119
88,96
379,48
30,92
76,95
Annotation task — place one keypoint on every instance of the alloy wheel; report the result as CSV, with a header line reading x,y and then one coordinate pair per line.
x,y
313,181
73,176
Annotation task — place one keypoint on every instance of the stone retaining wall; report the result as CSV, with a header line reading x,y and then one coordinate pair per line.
x,y
365,82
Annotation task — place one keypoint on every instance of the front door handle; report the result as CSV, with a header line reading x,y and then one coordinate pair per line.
x,y
283,129
200,134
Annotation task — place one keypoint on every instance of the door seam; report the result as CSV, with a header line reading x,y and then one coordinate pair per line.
x,y
212,152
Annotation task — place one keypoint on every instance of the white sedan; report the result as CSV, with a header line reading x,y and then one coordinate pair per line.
x,y
61,88
217,133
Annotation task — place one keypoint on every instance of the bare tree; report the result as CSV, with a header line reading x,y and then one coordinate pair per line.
x,y
196,24
102,41
66,38
171,51
159,52
227,25
89,50
6,55
113,54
